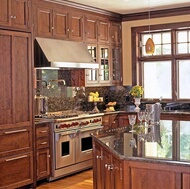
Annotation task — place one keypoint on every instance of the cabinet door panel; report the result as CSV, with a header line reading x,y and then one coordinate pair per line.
x,y
21,77
115,33
186,181
97,167
44,22
91,29
161,179
6,99
60,24
107,172
16,171
43,165
19,13
76,27
103,31
117,172
4,12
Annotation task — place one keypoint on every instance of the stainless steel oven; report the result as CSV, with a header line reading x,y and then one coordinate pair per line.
x,y
72,144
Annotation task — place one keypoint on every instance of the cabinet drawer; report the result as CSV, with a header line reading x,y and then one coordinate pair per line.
x,y
42,131
43,143
16,171
15,141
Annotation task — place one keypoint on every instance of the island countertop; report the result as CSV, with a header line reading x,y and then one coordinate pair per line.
x,y
167,142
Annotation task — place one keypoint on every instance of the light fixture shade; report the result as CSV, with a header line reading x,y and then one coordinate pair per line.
x,y
149,46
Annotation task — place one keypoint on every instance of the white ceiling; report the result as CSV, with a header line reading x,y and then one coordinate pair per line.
x,y
133,6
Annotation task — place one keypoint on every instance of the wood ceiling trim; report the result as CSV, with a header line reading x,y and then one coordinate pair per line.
x,y
156,14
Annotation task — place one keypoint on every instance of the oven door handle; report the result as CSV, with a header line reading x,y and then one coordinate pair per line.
x,y
59,135
90,129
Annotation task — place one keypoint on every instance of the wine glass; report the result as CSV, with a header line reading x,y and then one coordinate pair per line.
x,y
141,116
132,121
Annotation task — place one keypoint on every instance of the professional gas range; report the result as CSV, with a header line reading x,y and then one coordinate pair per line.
x,y
72,141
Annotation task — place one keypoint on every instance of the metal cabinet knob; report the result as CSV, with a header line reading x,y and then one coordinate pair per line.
x,y
98,157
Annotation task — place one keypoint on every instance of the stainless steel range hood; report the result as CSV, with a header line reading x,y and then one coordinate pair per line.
x,y
62,54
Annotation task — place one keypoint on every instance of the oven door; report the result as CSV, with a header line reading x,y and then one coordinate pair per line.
x,y
64,149
84,144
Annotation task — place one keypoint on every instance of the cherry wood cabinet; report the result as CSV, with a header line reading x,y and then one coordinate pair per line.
x,y
43,150
115,33
103,31
15,14
107,169
116,65
58,23
110,121
16,123
91,32
115,172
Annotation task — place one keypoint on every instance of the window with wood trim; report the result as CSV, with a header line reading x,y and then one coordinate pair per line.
x,y
166,73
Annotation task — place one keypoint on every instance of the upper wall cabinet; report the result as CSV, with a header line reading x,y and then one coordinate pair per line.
x,y
115,33
15,14
103,31
90,25
58,23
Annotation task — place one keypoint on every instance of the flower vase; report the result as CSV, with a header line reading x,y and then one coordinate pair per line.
x,y
137,103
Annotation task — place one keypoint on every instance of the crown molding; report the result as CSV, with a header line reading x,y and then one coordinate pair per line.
x,y
156,14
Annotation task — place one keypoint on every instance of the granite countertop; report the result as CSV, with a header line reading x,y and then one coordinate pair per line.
x,y
167,142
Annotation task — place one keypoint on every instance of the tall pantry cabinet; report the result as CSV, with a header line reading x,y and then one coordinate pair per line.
x,y
16,149
16,95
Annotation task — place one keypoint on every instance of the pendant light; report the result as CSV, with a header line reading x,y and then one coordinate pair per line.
x,y
149,46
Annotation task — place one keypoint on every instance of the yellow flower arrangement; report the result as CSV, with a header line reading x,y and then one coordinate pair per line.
x,y
136,91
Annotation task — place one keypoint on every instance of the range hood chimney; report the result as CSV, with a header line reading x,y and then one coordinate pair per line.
x,y
56,53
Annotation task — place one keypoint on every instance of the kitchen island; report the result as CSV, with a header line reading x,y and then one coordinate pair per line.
x,y
152,157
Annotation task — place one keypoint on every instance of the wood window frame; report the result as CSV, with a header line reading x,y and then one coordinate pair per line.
x,y
136,56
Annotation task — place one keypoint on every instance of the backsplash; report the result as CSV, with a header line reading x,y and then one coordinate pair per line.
x,y
76,98
63,97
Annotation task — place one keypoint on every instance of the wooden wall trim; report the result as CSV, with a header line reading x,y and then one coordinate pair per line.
x,y
156,14
86,8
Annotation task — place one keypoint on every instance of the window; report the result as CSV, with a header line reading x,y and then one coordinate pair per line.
x,y
166,73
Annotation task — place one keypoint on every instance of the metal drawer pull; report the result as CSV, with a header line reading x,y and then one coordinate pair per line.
x,y
44,131
20,157
17,131
43,143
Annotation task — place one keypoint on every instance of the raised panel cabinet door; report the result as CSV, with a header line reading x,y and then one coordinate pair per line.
x,y
186,181
5,12
76,28
60,28
98,174
91,29
6,97
16,82
107,170
117,173
44,21
115,33
20,14
43,163
22,79
147,178
103,31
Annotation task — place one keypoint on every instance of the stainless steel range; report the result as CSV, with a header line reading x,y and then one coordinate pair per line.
x,y
72,142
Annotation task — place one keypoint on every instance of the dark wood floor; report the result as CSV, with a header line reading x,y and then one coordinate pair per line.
x,y
82,180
